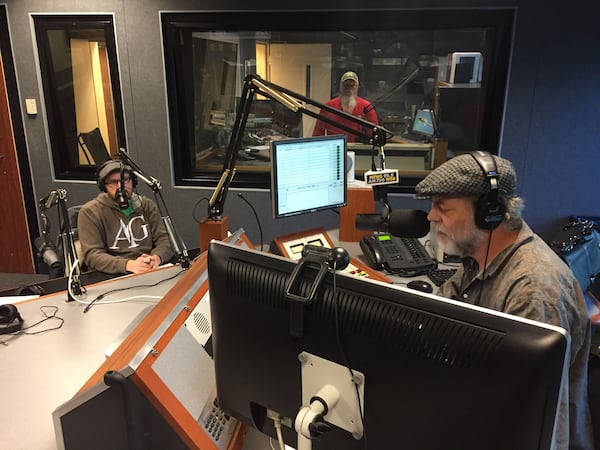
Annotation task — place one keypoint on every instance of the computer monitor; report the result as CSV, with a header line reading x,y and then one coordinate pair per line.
x,y
437,373
424,123
308,174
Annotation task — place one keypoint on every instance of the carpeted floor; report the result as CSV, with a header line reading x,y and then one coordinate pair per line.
x,y
9,281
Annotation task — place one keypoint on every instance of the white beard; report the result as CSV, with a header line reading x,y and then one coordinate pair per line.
x,y
348,103
468,240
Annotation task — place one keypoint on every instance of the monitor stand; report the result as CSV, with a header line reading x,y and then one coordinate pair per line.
x,y
330,392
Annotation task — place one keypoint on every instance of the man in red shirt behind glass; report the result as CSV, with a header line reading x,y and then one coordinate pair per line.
x,y
349,102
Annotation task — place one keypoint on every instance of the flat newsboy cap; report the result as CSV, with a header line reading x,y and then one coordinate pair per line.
x,y
463,176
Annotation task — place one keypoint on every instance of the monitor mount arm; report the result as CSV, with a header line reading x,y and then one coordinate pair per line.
x,y
253,84
177,243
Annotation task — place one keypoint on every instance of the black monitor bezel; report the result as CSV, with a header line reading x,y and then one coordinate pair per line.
x,y
472,397
275,175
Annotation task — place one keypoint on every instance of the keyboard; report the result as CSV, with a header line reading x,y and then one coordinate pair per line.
x,y
439,276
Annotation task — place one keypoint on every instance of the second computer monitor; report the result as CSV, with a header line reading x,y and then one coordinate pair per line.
x,y
308,174
424,123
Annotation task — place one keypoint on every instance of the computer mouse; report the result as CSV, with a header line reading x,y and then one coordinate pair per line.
x,y
420,285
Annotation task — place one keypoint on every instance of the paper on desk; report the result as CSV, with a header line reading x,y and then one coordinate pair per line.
x,y
16,299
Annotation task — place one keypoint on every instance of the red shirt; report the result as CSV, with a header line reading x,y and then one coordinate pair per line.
x,y
322,128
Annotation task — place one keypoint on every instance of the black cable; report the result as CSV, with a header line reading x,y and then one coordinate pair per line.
x,y
112,291
255,215
196,207
344,356
46,317
487,252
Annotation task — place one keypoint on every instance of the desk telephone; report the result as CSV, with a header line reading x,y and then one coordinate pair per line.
x,y
403,256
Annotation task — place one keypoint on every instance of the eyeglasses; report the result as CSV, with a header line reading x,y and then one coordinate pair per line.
x,y
115,183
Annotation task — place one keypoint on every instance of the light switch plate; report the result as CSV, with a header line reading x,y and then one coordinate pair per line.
x,y
31,106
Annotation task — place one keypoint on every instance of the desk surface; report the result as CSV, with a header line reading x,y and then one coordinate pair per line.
x,y
40,372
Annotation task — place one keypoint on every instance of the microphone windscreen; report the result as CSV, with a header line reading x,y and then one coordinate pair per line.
x,y
408,223
371,222
48,252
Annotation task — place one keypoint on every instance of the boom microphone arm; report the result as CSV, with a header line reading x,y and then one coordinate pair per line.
x,y
70,260
376,136
177,243
393,89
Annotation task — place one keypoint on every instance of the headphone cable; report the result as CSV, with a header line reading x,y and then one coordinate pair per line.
x,y
487,253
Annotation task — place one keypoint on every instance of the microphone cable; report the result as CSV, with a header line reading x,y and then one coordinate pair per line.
x,y
112,291
194,216
257,219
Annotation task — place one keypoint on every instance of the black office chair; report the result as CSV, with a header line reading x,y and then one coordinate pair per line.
x,y
93,147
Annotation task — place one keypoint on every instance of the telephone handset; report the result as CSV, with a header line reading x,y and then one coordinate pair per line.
x,y
404,256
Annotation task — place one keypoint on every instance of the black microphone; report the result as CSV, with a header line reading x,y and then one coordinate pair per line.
x,y
48,252
408,223
371,222
120,194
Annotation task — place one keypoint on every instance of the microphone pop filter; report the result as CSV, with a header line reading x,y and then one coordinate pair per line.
x,y
408,223
371,222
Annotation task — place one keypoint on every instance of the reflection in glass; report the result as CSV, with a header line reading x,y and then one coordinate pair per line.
x,y
79,74
442,67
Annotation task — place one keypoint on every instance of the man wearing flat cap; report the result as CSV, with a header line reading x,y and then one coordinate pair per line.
x,y
349,102
476,214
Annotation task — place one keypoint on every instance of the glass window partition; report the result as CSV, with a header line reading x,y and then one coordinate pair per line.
x,y
453,64
82,93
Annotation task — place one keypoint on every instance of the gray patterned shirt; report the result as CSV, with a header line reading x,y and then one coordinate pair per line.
x,y
529,280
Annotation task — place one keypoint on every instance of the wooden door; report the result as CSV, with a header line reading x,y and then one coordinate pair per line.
x,y
16,253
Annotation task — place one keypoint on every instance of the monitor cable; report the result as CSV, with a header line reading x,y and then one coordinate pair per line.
x,y
343,352
257,219
277,424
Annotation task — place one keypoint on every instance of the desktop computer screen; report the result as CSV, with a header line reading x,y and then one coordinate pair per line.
x,y
429,373
308,174
424,123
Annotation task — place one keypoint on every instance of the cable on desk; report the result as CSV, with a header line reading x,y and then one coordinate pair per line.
x,y
47,316
112,291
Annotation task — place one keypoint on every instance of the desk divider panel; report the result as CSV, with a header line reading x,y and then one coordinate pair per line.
x,y
162,360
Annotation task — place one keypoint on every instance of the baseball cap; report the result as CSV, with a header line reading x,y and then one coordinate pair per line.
x,y
349,76
463,176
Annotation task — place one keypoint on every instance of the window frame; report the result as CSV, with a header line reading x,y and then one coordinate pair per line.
x,y
63,146
177,25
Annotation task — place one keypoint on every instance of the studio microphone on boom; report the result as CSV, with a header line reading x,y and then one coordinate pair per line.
x,y
408,223
48,253
121,194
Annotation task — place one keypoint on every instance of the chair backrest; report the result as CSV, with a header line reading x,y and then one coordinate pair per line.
x,y
93,147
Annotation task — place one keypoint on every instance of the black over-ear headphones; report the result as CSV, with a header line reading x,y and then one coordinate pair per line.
x,y
10,319
489,209
109,166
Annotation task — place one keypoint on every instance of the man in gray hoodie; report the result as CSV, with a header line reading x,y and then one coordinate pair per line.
x,y
120,240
